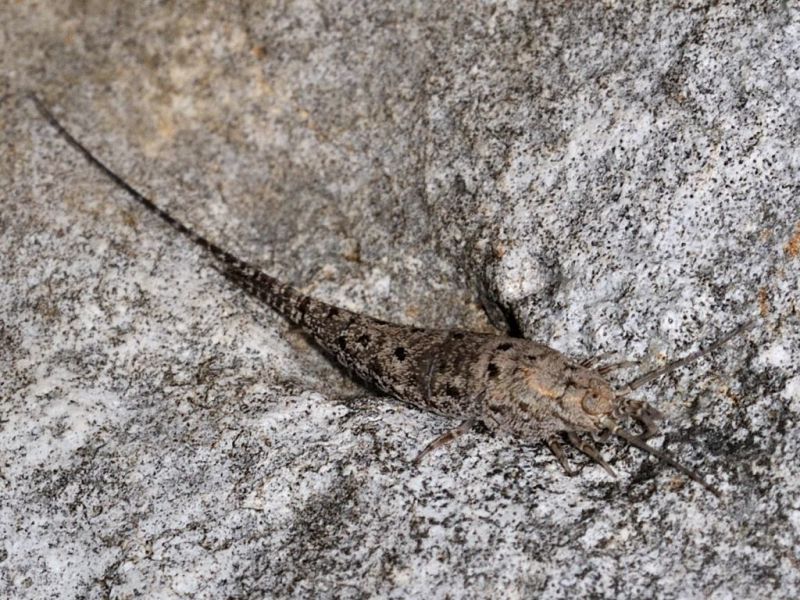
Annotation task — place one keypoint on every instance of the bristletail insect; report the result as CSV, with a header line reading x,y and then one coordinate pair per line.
x,y
512,386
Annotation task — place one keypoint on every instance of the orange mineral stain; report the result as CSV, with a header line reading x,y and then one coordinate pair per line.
x,y
792,247
763,301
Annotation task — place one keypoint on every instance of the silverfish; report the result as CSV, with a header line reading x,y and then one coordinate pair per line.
x,y
512,386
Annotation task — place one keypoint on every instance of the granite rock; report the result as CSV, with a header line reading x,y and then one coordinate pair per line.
x,y
618,177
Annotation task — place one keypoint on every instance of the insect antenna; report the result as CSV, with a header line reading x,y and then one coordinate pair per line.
x,y
633,440
676,364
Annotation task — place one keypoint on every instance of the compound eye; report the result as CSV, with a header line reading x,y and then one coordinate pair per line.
x,y
594,404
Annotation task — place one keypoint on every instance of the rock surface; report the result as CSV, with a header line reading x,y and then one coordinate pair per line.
x,y
621,179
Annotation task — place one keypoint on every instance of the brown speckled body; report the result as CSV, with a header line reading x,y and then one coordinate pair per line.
x,y
513,386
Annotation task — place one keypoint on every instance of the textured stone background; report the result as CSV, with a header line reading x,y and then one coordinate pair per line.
x,y
620,178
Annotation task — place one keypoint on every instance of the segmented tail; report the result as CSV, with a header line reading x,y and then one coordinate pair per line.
x,y
282,297
222,255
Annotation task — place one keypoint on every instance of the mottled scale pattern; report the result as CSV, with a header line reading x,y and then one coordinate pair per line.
x,y
513,386
427,368
455,373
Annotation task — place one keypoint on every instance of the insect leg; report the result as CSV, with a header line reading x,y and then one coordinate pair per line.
x,y
606,369
589,450
645,414
601,437
558,451
445,438
589,363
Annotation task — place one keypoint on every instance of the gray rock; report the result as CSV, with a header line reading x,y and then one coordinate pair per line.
x,y
619,178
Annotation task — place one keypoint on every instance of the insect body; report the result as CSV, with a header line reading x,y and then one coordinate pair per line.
x,y
512,386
